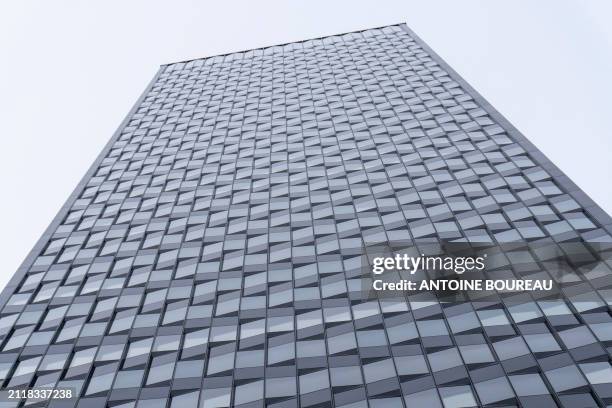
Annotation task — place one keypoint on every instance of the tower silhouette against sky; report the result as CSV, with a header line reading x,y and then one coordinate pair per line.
x,y
212,255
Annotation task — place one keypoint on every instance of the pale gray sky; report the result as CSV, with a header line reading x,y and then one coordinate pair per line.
x,y
71,70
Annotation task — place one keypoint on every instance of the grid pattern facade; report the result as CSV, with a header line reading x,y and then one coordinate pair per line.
x,y
213,258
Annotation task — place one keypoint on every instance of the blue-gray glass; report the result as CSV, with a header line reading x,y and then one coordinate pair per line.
x,y
211,257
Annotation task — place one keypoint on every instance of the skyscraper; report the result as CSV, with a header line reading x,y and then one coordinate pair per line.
x,y
212,255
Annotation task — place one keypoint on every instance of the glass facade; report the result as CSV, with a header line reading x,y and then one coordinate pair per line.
x,y
212,255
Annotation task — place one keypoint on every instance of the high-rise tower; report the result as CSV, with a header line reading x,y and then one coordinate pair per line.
x,y
211,256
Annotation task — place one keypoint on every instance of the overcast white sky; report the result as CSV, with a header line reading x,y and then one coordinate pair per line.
x,y
71,70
